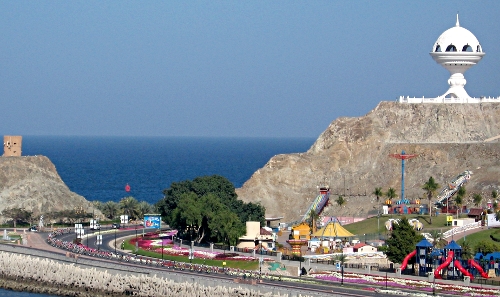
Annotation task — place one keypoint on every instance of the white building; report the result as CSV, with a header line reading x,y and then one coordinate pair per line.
x,y
457,50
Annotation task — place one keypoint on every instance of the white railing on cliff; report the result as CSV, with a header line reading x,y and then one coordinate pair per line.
x,y
407,99
458,230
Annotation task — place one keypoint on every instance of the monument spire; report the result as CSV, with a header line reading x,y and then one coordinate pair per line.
x,y
458,22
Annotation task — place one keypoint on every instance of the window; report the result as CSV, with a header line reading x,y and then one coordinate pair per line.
x,y
438,48
467,48
451,48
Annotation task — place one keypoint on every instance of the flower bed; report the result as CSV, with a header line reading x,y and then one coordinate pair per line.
x,y
403,283
155,242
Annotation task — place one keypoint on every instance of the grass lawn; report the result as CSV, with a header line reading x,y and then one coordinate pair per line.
x,y
369,226
478,236
239,264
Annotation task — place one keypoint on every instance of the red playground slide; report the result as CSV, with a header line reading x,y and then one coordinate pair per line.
x,y
445,264
407,258
464,272
479,268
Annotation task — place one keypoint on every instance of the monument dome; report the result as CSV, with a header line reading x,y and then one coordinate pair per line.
x,y
457,39
457,49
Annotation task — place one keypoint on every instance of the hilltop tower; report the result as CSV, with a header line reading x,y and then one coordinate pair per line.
x,y
457,50
12,146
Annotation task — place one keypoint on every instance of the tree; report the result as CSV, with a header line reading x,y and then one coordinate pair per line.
x,y
402,241
340,201
476,199
222,188
313,217
129,206
144,208
436,237
466,250
494,195
340,258
17,215
391,194
486,246
109,209
378,192
430,188
459,199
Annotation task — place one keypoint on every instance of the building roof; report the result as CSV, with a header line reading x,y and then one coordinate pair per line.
x,y
424,243
458,37
265,232
333,229
475,212
452,246
359,245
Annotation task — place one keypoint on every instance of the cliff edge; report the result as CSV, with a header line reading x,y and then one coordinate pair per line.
x,y
32,183
352,157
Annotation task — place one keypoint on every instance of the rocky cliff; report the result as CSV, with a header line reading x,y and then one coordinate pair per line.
x,y
352,157
32,183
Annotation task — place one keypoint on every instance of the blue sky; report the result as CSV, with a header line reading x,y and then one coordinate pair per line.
x,y
224,68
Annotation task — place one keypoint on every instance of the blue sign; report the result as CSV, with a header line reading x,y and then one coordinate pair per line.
x,y
152,221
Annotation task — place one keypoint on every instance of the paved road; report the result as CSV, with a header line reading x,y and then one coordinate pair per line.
x,y
37,241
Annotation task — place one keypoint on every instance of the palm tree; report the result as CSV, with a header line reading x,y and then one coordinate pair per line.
x,y
130,206
341,258
430,188
459,199
477,198
436,237
313,218
466,250
378,192
144,208
391,194
109,209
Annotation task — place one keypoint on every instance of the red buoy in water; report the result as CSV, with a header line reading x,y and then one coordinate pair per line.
x,y
127,188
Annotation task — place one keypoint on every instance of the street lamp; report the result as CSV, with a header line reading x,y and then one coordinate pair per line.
x,y
115,241
136,243
260,260
162,248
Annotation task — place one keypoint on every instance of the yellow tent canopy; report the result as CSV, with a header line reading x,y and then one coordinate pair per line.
x,y
332,229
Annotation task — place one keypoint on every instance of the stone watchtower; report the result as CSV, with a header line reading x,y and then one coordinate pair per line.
x,y
12,146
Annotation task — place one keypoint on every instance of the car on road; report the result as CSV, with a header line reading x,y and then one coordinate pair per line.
x,y
33,229
115,226
95,227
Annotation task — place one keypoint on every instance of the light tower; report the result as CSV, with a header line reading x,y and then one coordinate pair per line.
x,y
403,156
457,49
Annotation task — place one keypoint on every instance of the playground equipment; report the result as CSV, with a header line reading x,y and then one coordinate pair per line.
x,y
454,253
317,205
453,187
407,258
421,252
403,156
417,225
452,264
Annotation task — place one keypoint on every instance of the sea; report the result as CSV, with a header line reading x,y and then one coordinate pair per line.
x,y
99,168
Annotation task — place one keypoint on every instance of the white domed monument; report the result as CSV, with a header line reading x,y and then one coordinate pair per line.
x,y
457,50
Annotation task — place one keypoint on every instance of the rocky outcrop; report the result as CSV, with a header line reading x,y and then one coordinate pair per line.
x,y
32,183
352,157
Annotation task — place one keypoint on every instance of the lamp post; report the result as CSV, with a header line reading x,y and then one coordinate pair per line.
x,y
342,268
115,241
136,243
162,248
260,260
